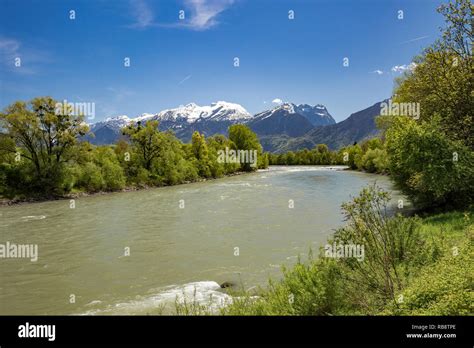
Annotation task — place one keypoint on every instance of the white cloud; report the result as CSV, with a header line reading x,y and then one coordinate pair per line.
x,y
204,12
277,101
404,67
142,14
10,49
199,14
378,72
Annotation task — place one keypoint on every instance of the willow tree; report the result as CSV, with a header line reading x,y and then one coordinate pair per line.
x,y
146,140
37,132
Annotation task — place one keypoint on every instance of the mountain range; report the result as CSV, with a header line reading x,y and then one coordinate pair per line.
x,y
285,127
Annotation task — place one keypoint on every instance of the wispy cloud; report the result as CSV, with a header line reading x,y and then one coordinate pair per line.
x,y
185,79
277,101
378,72
142,13
11,49
198,14
415,39
404,67
204,12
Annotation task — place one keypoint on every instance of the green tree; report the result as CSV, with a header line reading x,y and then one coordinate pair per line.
x,y
245,139
443,79
44,135
201,153
428,166
147,141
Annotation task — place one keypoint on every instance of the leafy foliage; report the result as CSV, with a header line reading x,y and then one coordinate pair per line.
x,y
430,168
41,141
42,153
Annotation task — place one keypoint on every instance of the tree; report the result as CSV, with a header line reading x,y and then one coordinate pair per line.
x,y
443,80
430,168
147,141
43,135
324,155
245,139
432,159
352,155
201,153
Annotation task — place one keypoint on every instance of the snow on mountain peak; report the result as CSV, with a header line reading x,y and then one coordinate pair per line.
x,y
317,114
116,121
218,111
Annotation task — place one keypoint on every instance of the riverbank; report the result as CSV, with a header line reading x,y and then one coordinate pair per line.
x,y
79,194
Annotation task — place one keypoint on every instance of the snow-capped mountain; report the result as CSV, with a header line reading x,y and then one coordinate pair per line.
x,y
290,119
286,119
317,115
281,120
184,120
116,122
219,111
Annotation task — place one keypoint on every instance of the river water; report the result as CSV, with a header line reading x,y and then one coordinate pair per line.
x,y
133,252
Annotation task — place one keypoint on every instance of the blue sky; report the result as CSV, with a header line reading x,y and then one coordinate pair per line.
x,y
174,62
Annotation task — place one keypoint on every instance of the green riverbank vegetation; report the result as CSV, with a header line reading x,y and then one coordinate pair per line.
x,y
44,155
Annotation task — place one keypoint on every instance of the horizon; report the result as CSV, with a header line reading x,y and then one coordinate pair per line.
x,y
175,62
274,106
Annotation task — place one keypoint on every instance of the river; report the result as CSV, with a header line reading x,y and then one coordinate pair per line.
x,y
132,252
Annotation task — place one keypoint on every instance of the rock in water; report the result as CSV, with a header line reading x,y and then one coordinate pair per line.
x,y
227,285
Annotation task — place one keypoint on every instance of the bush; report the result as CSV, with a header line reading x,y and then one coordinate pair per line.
x,y
113,175
374,161
306,289
91,179
430,168
71,177
389,246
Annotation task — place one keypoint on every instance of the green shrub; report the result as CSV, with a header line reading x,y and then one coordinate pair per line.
x,y
113,175
71,177
430,168
374,161
390,244
91,179
306,289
